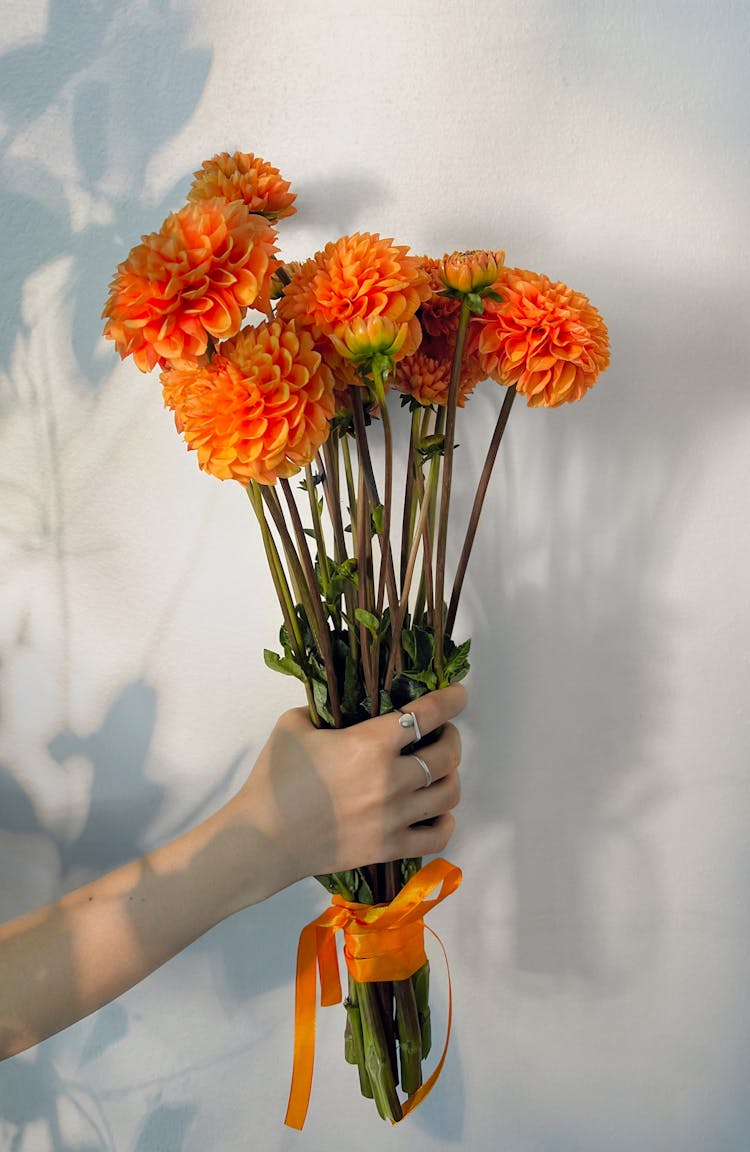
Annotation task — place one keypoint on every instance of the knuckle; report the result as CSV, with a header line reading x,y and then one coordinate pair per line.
x,y
452,740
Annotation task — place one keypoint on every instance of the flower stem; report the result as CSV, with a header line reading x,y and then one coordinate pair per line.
x,y
282,591
386,558
325,574
363,539
401,609
355,1045
445,493
407,525
377,1058
331,491
351,490
365,462
427,494
421,984
407,1016
481,492
299,583
324,636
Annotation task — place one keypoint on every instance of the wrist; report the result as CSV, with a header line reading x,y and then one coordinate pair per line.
x,y
248,856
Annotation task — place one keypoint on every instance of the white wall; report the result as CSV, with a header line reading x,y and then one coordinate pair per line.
x,y
599,945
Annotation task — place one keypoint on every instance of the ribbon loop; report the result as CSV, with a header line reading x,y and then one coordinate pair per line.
x,y
381,942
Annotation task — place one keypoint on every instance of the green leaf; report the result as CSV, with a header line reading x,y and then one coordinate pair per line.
x,y
386,703
341,574
284,664
351,880
364,891
475,302
403,690
492,295
308,640
409,644
352,693
328,883
362,616
413,403
377,519
309,532
320,696
429,679
425,647
458,658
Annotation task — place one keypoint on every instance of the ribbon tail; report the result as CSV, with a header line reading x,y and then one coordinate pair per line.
x,y
420,1094
304,1028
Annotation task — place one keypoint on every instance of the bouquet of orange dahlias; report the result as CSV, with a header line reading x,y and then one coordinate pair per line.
x,y
302,388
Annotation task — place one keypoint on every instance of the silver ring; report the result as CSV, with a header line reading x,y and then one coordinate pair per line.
x,y
425,769
409,720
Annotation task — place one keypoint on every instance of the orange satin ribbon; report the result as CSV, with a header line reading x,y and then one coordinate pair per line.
x,y
381,942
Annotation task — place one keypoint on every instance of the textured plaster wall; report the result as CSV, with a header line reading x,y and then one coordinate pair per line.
x,y
599,946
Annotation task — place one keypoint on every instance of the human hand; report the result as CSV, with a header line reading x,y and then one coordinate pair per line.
x,y
326,800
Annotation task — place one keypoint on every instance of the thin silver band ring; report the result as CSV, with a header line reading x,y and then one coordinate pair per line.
x,y
425,769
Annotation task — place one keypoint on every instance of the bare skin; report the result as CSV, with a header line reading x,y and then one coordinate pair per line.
x,y
316,801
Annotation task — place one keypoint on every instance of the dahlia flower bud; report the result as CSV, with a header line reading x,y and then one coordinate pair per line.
x,y
364,339
474,272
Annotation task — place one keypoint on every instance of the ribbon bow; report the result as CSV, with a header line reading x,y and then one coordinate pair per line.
x,y
381,942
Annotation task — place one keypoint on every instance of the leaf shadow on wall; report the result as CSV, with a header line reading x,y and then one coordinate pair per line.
x,y
124,804
85,108
564,593
99,95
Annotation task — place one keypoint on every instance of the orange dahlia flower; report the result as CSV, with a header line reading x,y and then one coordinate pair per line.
x,y
245,177
356,278
545,338
191,280
475,271
426,375
259,410
439,313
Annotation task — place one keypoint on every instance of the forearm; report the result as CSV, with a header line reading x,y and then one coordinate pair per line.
x,y
316,801
63,961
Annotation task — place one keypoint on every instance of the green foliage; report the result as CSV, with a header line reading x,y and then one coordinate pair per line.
x,y
353,686
341,575
419,645
413,404
371,623
320,696
284,664
456,664
351,884
417,676
431,446
377,521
